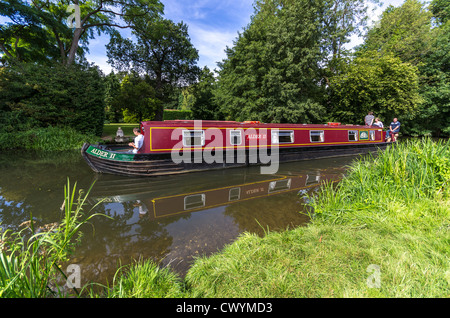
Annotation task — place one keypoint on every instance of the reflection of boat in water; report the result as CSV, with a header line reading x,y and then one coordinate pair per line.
x,y
190,197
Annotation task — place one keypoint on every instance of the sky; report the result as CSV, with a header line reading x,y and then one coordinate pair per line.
x,y
212,25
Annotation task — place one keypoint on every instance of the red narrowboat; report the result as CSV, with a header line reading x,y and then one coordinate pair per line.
x,y
180,146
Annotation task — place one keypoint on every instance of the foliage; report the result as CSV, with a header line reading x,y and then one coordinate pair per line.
x,y
205,106
408,173
163,52
177,114
46,139
272,72
31,259
137,96
375,82
68,97
404,31
40,31
441,11
185,99
419,35
112,87
434,115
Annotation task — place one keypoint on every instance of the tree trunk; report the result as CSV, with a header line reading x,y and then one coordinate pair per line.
x,y
74,46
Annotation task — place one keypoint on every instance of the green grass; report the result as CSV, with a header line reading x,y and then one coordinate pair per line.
x,y
391,212
31,259
46,139
146,280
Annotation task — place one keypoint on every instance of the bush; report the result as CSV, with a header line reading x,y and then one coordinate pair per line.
x,y
35,96
177,114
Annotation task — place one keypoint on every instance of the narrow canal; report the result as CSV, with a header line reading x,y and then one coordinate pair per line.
x,y
170,219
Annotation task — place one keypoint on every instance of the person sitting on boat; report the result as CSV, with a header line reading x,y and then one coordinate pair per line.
x,y
393,131
378,123
138,140
369,119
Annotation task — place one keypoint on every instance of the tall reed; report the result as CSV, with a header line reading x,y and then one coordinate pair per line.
x,y
412,172
391,211
31,259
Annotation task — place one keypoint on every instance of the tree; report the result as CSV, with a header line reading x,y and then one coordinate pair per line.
x,y
39,29
419,35
441,11
205,106
137,96
69,96
272,73
163,51
404,31
376,82
113,111
433,116
341,19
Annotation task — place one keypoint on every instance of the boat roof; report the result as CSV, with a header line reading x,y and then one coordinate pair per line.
x,y
245,124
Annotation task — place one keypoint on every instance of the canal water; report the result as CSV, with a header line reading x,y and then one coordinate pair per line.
x,y
169,219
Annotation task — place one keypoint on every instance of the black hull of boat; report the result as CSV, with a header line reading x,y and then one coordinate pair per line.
x,y
146,165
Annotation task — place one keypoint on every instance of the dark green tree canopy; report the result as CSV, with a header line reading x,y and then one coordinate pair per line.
x,y
375,82
404,31
69,96
39,30
163,51
137,96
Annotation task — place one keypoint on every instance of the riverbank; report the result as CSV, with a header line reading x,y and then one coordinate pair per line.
x,y
59,138
381,232
46,139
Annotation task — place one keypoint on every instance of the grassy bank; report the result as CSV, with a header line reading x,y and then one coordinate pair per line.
x,y
58,138
31,259
381,232
46,139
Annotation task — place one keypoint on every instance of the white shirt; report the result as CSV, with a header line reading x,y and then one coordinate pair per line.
x,y
379,124
138,142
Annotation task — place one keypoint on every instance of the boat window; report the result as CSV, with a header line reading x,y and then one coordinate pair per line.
x,y
372,135
282,136
316,135
194,201
235,137
279,185
235,194
193,138
352,135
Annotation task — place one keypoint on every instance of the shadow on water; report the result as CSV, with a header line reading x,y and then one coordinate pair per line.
x,y
170,219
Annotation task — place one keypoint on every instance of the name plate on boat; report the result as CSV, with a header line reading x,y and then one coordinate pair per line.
x,y
109,155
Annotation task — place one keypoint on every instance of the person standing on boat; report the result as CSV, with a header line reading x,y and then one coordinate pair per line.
x,y
369,119
138,140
